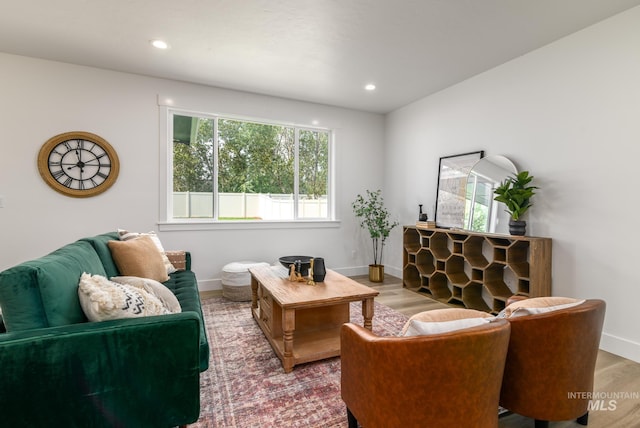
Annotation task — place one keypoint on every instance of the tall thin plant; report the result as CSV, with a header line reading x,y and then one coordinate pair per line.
x,y
375,218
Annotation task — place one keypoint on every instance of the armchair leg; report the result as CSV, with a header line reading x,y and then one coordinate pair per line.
x,y
584,419
353,422
541,424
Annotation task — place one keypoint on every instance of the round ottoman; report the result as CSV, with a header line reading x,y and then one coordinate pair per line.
x,y
236,280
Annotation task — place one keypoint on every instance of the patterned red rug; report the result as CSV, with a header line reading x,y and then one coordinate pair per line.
x,y
246,386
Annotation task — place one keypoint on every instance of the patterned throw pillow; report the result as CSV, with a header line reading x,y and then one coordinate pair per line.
x,y
125,235
168,299
103,300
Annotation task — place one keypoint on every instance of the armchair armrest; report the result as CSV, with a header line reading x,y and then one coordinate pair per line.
x,y
129,372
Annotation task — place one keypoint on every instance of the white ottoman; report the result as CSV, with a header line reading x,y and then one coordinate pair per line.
x,y
236,280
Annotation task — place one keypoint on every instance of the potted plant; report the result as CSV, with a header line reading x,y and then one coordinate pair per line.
x,y
515,192
375,218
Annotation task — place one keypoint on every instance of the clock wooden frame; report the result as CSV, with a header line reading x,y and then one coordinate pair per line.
x,y
53,142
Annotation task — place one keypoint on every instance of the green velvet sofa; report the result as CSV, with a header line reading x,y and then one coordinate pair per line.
x,y
58,369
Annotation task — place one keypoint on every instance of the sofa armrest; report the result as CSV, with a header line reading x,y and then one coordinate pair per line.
x,y
130,372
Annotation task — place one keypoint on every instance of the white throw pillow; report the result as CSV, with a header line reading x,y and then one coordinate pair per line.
x,y
422,328
538,305
158,289
103,300
448,314
125,235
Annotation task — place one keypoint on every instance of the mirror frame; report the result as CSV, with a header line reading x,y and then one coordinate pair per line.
x,y
496,168
452,187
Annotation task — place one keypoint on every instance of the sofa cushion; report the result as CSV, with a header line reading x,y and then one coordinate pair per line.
x,y
139,257
100,245
44,292
184,286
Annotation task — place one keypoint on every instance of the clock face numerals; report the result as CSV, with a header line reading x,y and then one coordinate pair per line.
x,y
78,164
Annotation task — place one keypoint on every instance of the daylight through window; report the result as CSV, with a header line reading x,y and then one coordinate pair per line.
x,y
237,170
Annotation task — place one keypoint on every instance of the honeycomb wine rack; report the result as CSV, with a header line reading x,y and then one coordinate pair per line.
x,y
475,270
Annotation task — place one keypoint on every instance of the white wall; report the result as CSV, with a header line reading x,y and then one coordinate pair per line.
x,y
40,99
570,114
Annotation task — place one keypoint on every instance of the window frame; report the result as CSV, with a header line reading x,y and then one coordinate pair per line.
x,y
167,222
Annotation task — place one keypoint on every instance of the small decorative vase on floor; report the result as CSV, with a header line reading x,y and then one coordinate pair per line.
x,y
376,273
517,227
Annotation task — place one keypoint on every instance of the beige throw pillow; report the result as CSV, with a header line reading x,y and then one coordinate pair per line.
x,y
538,305
444,315
138,257
103,300
168,299
125,235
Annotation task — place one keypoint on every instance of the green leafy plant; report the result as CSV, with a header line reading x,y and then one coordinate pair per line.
x,y
375,218
515,192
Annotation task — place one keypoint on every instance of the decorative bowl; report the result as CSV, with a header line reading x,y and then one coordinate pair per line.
x,y
305,263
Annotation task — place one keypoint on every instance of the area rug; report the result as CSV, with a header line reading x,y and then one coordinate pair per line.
x,y
245,385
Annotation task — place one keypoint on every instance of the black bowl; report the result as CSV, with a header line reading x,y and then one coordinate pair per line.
x,y
305,263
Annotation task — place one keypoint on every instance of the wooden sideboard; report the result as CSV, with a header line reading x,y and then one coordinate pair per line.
x,y
475,270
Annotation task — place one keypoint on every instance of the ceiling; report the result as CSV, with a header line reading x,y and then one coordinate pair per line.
x,y
322,51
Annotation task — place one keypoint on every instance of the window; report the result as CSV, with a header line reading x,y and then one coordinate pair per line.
x,y
227,169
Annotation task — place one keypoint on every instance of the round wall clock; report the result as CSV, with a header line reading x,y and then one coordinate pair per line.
x,y
78,164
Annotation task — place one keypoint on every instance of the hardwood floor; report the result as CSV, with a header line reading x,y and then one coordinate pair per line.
x,y
614,374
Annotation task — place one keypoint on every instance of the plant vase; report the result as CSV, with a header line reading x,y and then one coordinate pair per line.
x,y
517,227
376,273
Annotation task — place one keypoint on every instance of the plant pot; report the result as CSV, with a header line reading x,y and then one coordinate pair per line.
x,y
517,227
376,273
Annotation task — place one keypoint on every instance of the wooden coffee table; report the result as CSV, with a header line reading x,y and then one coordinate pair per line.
x,y
302,322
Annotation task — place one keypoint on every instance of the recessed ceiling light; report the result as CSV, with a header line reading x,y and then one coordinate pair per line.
x,y
160,44
370,87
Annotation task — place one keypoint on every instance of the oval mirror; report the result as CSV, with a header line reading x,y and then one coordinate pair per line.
x,y
482,213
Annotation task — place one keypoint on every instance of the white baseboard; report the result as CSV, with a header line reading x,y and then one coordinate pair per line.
x,y
210,285
620,346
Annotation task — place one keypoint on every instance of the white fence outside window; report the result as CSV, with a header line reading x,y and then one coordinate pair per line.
x,y
249,206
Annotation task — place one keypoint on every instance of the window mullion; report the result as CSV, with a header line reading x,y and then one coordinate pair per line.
x,y
296,174
215,200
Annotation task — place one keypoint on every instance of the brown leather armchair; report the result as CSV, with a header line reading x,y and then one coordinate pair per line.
x,y
442,380
550,356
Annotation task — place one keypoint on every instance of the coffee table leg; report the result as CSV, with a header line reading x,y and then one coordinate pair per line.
x,y
289,324
367,313
254,293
